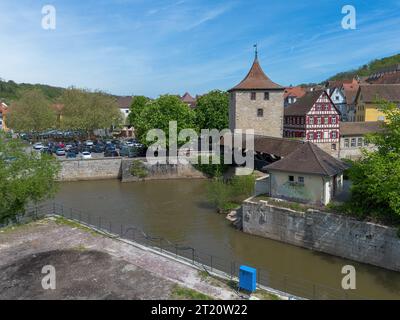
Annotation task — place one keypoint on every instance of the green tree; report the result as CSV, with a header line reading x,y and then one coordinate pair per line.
x,y
24,177
212,110
31,113
137,105
88,111
375,178
159,112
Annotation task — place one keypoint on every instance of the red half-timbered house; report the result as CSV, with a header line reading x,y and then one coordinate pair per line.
x,y
314,118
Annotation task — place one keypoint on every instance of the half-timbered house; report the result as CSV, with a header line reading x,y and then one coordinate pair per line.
x,y
314,118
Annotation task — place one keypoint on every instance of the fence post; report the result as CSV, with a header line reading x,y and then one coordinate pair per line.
x,y
161,244
193,255
211,262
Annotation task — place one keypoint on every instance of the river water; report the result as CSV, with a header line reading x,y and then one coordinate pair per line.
x,y
178,211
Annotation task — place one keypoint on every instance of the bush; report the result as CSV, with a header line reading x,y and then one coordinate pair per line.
x,y
138,169
227,195
211,170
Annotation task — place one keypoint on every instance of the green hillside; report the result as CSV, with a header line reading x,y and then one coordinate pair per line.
x,y
10,90
369,68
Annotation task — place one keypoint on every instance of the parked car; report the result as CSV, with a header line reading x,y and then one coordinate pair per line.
x,y
60,152
98,148
129,152
71,154
89,143
86,155
38,146
46,150
111,153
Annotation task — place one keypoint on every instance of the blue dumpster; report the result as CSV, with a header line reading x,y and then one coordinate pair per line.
x,y
247,278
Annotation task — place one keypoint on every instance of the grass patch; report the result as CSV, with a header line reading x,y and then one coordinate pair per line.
x,y
233,285
18,226
73,224
182,293
264,295
80,248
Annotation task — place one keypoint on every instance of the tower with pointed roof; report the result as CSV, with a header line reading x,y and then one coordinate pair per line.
x,y
257,103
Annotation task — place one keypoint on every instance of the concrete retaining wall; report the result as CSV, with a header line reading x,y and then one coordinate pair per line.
x,y
90,169
330,233
159,171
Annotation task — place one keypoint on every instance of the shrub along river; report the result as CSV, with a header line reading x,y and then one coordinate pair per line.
x,y
178,210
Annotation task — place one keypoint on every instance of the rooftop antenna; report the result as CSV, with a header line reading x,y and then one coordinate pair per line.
x,y
256,51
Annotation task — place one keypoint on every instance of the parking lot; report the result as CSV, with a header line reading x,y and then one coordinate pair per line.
x,y
66,147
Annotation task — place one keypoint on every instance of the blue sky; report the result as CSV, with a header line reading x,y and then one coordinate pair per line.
x,y
154,47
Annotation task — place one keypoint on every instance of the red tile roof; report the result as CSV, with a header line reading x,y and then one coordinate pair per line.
x,y
256,79
297,92
373,92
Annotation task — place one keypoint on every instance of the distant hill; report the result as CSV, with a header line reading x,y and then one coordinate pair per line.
x,y
369,69
10,90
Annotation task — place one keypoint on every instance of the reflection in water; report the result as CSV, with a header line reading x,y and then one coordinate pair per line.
x,y
178,211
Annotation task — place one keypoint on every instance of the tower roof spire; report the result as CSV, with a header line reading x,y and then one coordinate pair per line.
x,y
256,79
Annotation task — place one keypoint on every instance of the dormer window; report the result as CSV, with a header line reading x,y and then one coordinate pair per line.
x,y
266,95
253,95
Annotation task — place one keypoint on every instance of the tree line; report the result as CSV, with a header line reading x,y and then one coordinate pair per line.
x,y
75,109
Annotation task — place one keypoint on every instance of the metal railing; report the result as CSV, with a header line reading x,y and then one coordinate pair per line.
x,y
205,261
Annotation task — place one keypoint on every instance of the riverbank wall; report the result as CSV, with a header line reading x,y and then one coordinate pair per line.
x,y
325,232
158,171
90,169
120,168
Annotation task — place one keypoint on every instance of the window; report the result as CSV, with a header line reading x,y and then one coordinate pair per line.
x,y
359,142
346,143
333,146
334,134
311,120
253,96
266,95
260,112
291,178
326,135
301,180
334,119
319,120
318,135
318,108
353,142
126,111
327,107
326,120
302,120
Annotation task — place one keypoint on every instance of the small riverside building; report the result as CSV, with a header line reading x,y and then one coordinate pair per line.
x,y
306,175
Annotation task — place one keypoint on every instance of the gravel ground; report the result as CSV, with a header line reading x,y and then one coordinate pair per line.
x,y
89,266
